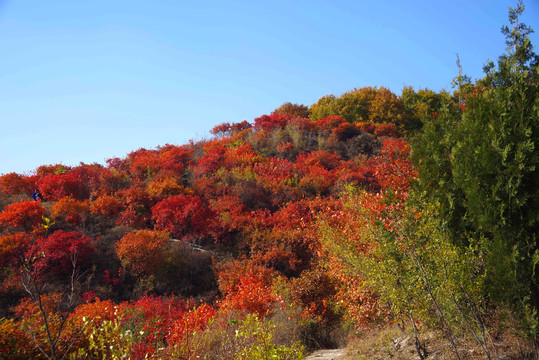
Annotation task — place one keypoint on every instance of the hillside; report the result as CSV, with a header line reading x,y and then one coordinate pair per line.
x,y
226,221
364,212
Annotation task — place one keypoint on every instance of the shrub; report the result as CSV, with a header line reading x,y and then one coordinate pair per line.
x,y
72,210
57,186
61,251
24,214
142,251
183,215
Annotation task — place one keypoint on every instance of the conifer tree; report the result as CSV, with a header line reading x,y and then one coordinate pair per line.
x,y
481,161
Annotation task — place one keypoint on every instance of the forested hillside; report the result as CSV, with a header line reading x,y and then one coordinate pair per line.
x,y
291,232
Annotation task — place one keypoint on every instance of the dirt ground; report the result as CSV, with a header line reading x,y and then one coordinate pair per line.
x,y
389,342
333,354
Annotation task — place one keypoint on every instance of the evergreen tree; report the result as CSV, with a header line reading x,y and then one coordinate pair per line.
x,y
481,162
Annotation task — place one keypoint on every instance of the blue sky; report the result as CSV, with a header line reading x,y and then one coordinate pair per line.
x,y
83,81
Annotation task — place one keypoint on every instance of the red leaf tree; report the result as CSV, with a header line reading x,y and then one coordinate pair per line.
x,y
13,247
23,214
14,184
246,286
57,186
60,252
137,204
271,122
106,205
183,215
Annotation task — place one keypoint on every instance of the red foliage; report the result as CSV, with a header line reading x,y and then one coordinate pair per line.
x,y
358,174
283,242
90,175
318,181
193,321
237,127
246,286
252,293
25,214
302,123
293,216
283,260
214,155
366,126
55,169
137,204
15,342
111,181
183,215
280,178
57,186
163,186
32,327
142,251
226,129
393,168
61,251
117,164
345,131
112,280
361,305
13,247
271,122
229,275
232,215
167,309
155,316
274,172
241,156
14,184
144,163
106,205
97,311
330,122
321,158
221,130
388,129
175,158
314,291
286,150
72,210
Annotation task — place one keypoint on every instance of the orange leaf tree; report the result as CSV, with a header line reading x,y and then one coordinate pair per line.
x,y
72,210
23,214
142,251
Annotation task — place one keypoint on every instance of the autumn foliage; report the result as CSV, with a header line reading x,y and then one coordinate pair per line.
x,y
181,251
73,211
61,252
183,215
23,214
142,251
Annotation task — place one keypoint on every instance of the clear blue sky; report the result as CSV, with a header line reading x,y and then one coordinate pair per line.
x,y
89,80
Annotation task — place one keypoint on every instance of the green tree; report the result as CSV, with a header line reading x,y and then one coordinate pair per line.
x,y
352,105
481,162
364,104
406,256
420,105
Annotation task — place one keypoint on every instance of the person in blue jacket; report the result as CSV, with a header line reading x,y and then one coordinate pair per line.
x,y
36,195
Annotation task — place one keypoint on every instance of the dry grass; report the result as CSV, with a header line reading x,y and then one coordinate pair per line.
x,y
390,342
